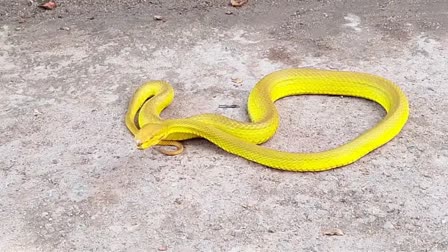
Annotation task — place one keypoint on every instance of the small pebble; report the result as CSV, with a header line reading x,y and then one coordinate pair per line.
x,y
158,18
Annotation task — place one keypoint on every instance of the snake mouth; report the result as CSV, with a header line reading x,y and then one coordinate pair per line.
x,y
142,144
139,144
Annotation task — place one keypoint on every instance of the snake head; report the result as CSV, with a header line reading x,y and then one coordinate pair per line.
x,y
150,134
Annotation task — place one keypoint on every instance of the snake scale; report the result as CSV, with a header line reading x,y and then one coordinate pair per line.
x,y
244,138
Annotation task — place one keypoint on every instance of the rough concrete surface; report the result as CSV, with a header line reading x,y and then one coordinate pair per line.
x,y
72,178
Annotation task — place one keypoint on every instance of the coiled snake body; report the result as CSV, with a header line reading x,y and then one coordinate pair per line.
x,y
242,138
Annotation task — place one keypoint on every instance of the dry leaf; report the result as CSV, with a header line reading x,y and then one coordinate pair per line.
x,y
333,231
48,5
238,3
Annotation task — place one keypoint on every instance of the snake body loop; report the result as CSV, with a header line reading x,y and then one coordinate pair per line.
x,y
241,138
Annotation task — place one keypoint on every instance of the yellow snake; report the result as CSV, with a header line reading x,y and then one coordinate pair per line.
x,y
242,138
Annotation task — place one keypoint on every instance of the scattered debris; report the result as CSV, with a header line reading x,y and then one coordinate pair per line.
x,y
237,81
158,18
50,5
238,3
163,248
333,232
228,106
37,112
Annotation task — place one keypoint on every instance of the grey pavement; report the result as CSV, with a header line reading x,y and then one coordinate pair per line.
x,y
72,179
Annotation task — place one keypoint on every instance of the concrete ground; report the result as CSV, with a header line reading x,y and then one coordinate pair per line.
x,y
72,178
